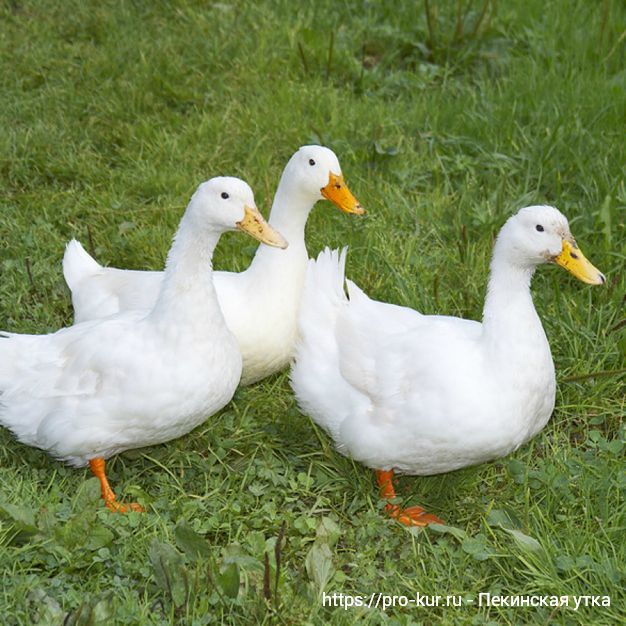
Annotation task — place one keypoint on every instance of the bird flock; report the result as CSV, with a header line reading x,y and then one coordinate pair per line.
x,y
151,355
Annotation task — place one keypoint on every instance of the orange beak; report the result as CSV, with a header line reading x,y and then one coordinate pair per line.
x,y
255,225
338,193
575,262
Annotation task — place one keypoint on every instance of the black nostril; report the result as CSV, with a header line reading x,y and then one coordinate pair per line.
x,y
573,255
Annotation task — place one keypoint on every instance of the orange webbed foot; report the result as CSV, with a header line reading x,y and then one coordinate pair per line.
x,y
416,516
411,516
117,507
97,467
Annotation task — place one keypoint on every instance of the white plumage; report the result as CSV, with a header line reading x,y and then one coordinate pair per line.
x,y
424,394
260,304
137,378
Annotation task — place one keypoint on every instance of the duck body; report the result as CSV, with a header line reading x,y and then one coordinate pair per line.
x,y
99,388
424,394
136,378
266,332
99,292
261,303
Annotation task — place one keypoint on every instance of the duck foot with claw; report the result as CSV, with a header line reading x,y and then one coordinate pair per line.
x,y
411,516
97,468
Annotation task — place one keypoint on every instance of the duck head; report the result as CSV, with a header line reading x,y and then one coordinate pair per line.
x,y
315,172
226,203
541,234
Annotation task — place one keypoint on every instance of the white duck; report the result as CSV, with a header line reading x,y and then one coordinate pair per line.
x,y
425,394
261,303
136,379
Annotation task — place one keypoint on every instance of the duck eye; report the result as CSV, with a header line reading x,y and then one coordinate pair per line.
x,y
226,196
311,162
540,228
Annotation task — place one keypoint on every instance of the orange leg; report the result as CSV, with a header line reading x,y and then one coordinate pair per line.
x,y
411,516
97,467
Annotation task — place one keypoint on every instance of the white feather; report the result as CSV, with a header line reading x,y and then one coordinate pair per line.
x,y
260,304
426,394
137,378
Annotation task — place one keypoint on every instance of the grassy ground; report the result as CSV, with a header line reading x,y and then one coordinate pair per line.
x,y
113,112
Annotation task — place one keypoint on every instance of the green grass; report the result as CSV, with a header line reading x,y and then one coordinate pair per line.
x,y
113,112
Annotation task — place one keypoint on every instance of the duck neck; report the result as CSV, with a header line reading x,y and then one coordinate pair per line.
x,y
187,293
510,320
288,216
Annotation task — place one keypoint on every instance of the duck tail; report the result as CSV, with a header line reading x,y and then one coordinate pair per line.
x,y
78,264
324,289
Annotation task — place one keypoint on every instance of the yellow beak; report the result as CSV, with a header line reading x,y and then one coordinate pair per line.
x,y
338,193
574,261
255,225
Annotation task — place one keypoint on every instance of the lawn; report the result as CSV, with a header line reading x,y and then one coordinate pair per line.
x,y
445,122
